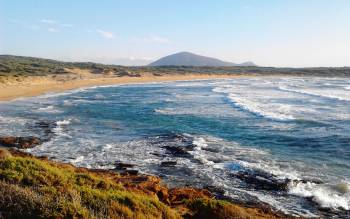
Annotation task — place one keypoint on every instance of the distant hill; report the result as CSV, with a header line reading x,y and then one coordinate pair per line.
x,y
190,59
11,65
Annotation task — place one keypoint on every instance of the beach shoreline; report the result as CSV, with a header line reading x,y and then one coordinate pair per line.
x,y
35,86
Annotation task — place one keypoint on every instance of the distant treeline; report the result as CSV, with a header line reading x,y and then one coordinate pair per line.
x,y
21,66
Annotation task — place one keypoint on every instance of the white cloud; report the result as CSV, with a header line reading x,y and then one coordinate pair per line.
x,y
51,29
105,34
47,21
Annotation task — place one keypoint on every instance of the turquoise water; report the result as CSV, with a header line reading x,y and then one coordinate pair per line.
x,y
231,136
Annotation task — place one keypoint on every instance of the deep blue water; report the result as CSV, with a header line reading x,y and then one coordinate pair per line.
x,y
236,134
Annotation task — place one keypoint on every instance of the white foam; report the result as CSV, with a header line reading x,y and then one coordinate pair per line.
x,y
67,103
59,130
197,153
78,160
287,99
14,120
320,92
49,109
166,111
260,102
107,146
326,196
200,142
99,97
272,111
63,122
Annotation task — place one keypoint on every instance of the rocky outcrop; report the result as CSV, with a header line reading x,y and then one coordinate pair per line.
x,y
20,142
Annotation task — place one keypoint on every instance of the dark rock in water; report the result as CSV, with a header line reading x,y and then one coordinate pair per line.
x,y
123,166
20,142
315,181
168,163
213,150
177,151
130,172
174,144
332,213
157,154
262,180
173,140
44,129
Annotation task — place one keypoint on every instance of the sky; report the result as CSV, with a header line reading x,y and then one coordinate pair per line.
x,y
283,33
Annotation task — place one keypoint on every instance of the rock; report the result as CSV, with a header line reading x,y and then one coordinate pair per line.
x,y
174,144
4,154
20,142
157,154
44,129
168,163
123,166
213,150
130,172
262,181
177,151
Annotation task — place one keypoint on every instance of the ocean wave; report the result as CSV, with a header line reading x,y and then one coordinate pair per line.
x,y
271,111
13,120
256,105
189,84
324,93
59,129
107,147
77,160
63,122
197,153
327,196
99,97
49,109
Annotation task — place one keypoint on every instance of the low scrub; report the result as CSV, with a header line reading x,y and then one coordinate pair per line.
x,y
38,188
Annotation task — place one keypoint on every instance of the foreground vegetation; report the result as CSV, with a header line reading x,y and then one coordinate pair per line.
x,y
33,187
29,66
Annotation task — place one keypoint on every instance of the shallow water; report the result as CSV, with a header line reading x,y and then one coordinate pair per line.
x,y
291,135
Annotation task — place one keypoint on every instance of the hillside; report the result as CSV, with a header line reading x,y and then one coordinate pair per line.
x,y
190,59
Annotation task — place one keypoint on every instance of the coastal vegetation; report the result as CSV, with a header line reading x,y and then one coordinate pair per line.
x,y
32,187
17,66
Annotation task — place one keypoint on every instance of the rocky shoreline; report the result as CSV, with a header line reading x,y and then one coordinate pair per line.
x,y
130,179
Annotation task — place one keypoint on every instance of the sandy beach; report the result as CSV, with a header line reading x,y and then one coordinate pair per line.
x,y
37,85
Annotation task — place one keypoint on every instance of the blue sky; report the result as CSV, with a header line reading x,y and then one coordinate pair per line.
x,y
267,32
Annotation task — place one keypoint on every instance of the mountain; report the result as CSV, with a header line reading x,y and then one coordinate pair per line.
x,y
190,59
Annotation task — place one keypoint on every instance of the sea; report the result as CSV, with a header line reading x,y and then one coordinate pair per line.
x,y
283,142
